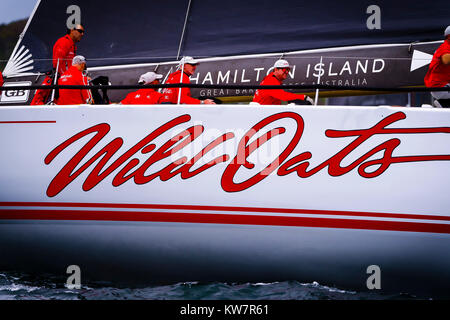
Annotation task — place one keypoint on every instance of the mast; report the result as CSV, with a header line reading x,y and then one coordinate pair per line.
x,y
184,28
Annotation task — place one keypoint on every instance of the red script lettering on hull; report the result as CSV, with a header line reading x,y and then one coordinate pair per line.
x,y
283,163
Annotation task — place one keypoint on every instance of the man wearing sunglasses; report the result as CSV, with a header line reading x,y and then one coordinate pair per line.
x,y
65,48
64,51
280,72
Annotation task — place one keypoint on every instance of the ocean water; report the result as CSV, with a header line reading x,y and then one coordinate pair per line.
x,y
20,286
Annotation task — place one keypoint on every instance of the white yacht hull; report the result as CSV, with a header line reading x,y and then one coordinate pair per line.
x,y
323,194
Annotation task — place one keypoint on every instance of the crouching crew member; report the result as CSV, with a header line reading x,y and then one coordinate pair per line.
x,y
74,76
145,95
187,68
275,96
438,74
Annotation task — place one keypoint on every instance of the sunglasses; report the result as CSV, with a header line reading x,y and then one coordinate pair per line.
x,y
80,30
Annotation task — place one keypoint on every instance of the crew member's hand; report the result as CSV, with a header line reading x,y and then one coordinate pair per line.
x,y
309,100
209,101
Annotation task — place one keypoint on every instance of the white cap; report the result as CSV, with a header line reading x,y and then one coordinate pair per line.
x,y
78,60
447,31
188,60
281,64
149,77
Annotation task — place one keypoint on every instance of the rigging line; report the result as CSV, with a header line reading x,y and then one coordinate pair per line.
x,y
55,82
227,86
184,28
355,57
316,98
282,57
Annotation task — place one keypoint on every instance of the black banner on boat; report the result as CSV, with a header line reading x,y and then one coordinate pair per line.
x,y
364,66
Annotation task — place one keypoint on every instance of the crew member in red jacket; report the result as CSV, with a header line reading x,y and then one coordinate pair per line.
x,y
1,79
64,50
187,68
42,95
280,72
145,95
438,74
74,76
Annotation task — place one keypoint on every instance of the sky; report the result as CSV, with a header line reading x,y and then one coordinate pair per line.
x,y
11,10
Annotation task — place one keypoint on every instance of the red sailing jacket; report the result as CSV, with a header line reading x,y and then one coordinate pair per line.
x,y
438,74
69,96
41,96
64,50
143,96
171,94
274,96
1,79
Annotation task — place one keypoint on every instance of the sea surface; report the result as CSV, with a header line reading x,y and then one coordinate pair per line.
x,y
20,286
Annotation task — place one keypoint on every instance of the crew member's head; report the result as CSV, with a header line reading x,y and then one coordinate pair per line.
x,y
150,78
447,33
76,33
190,64
79,62
281,69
